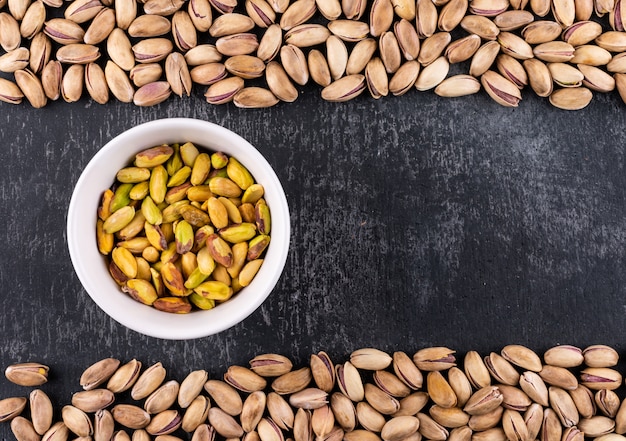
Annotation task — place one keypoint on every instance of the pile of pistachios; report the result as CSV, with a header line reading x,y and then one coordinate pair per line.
x,y
183,228
569,394
257,53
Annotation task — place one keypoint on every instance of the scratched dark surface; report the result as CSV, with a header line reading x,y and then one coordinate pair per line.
x,y
416,221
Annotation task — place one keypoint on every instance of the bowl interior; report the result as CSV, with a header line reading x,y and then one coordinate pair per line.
x,y
90,265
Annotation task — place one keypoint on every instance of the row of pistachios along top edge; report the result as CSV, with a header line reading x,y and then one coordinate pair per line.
x,y
514,394
183,228
257,53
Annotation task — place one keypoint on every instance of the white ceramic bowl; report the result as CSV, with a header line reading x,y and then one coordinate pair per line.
x,y
91,266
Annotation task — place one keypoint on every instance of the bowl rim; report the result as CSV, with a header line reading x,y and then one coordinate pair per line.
x,y
150,321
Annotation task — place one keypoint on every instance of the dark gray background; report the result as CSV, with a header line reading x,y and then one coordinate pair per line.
x,y
416,221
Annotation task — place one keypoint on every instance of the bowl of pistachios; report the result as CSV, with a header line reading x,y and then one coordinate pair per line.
x,y
178,228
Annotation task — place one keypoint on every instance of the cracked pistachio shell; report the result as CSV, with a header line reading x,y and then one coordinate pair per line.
x,y
582,32
177,74
143,74
539,77
408,40
322,370
81,11
451,14
261,12
27,374
512,69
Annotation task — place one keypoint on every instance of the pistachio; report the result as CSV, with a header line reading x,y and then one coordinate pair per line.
x,y
11,407
512,70
27,374
40,411
143,74
458,85
51,77
512,20
430,429
184,31
344,411
612,41
309,398
297,13
147,26
14,60
225,396
162,7
484,400
481,26
533,385
244,379
498,366
101,27
565,75
433,47
430,77
196,413
130,416
118,82
541,31
95,83
330,9
10,37
349,30
488,8
152,50
514,46
58,432
224,424
482,60
124,377
345,88
31,87
164,423
322,371
280,411
92,400
151,94
80,11
599,378
426,18
582,32
23,429
270,43
462,49
148,381
539,77
370,418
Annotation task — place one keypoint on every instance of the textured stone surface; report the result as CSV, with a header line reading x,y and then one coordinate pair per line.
x,y
415,221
